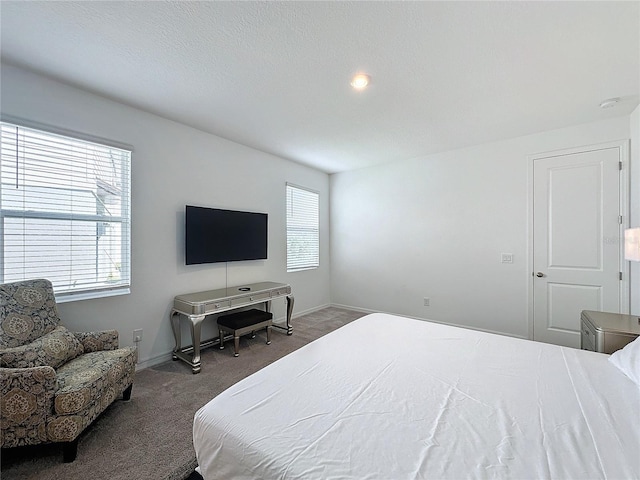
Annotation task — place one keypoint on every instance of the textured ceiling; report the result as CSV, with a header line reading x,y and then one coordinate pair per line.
x,y
275,75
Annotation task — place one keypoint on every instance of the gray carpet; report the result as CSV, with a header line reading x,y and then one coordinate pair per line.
x,y
149,437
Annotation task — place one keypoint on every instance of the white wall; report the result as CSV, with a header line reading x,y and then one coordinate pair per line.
x,y
174,165
634,211
436,227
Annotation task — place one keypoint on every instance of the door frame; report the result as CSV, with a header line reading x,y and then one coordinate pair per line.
x,y
623,155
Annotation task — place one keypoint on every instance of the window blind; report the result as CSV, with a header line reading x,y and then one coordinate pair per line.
x,y
303,229
64,212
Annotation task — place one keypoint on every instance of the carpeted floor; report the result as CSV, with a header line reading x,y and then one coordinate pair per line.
x,y
149,437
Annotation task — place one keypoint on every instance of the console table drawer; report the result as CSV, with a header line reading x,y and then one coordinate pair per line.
x,y
281,291
587,342
212,307
587,337
255,297
201,308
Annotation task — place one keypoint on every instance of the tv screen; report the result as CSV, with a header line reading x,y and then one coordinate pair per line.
x,y
214,235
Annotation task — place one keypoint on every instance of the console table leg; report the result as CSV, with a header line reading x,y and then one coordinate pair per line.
x,y
174,318
289,312
196,324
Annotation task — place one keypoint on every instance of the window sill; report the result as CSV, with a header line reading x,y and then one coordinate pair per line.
x,y
293,270
73,297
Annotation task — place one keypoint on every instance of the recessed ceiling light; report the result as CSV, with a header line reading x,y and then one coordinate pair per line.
x,y
609,102
360,81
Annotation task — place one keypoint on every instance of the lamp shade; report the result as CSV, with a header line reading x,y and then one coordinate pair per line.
x,y
632,244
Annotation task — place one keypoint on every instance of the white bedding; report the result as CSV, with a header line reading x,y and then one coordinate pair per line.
x,y
388,397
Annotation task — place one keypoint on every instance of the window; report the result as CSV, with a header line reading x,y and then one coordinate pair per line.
x,y
64,212
303,230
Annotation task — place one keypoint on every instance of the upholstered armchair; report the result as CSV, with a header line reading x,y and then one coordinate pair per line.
x,y
53,382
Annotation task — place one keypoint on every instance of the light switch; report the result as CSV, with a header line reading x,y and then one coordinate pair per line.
x,y
507,258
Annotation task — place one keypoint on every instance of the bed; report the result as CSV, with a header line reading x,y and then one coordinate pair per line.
x,y
388,397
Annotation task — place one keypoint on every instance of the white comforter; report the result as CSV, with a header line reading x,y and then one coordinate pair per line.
x,y
388,397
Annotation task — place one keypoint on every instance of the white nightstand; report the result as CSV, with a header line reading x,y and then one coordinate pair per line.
x,y
607,332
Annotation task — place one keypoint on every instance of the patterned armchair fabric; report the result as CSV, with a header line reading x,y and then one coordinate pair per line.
x,y
28,311
53,382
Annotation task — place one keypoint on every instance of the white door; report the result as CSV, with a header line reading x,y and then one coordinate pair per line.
x,y
576,240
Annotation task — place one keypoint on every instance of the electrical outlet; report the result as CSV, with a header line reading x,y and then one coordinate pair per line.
x,y
137,335
427,301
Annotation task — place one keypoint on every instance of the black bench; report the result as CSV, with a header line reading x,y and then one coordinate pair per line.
x,y
241,323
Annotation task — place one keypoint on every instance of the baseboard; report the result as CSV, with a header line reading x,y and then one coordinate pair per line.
x,y
153,361
310,310
359,309
486,330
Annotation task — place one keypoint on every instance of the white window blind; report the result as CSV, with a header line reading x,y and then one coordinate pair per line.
x,y
64,212
303,229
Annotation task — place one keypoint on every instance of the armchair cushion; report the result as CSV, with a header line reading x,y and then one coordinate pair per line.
x,y
95,378
53,349
96,341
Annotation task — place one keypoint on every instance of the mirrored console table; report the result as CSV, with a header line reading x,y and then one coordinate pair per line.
x,y
195,307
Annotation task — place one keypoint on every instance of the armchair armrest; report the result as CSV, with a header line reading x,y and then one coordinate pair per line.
x,y
26,401
97,341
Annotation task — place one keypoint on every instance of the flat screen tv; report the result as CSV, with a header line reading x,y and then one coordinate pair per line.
x,y
214,235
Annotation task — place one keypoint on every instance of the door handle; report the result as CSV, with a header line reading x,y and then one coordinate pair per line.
x,y
539,274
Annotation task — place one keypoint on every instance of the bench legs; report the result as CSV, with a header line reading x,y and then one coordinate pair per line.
x,y
236,344
236,339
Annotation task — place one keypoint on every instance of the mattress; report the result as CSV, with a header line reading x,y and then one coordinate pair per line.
x,y
388,397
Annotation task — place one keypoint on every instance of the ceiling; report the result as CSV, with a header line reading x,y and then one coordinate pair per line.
x,y
275,75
